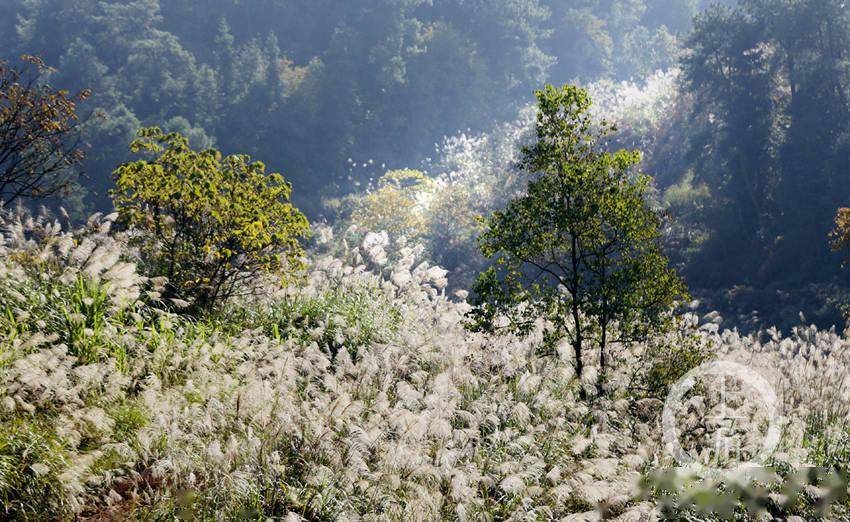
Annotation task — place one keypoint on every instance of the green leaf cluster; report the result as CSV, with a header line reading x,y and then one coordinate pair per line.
x,y
581,247
211,224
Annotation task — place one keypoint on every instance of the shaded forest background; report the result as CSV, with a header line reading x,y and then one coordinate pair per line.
x,y
750,156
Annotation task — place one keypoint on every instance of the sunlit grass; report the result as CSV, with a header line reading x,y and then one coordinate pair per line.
x,y
348,394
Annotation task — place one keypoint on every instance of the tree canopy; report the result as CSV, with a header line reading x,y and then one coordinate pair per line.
x,y
581,247
211,224
379,79
39,133
752,157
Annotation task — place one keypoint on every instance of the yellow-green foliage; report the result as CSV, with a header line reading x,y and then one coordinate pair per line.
x,y
841,233
437,214
686,195
209,223
396,206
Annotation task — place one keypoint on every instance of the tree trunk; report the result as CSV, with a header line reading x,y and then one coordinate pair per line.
x,y
602,346
576,310
577,346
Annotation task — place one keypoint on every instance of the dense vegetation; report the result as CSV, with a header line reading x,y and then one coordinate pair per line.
x,y
490,324
764,128
381,80
356,392
750,139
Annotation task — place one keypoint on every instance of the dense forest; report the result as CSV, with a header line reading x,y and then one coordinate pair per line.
x,y
424,259
747,145
308,85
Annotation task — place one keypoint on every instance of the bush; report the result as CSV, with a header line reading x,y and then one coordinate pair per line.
x,y
210,224
30,458
67,287
345,317
668,358
397,205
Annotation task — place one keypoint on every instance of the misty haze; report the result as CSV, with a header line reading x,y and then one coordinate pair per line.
x,y
424,260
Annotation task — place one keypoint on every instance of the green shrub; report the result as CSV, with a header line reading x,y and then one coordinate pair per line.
x,y
340,318
30,461
667,359
80,315
210,224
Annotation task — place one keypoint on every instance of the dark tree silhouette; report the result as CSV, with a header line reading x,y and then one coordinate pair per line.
x,y
39,133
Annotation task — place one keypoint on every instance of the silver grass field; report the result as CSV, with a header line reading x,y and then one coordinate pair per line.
x,y
357,394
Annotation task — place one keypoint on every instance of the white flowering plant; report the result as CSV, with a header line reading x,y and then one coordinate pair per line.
x,y
471,175
250,414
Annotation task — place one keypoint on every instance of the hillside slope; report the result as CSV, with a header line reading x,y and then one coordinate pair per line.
x,y
354,395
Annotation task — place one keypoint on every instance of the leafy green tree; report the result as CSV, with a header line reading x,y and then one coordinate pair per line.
x,y
767,129
210,224
580,248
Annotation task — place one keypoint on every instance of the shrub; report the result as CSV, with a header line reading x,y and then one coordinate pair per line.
x,y
668,358
345,317
396,206
30,457
69,287
210,224
453,227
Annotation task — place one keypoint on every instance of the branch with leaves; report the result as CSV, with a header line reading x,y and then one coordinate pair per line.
x,y
40,147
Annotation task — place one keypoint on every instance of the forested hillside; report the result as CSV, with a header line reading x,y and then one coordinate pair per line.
x,y
309,84
314,260
749,140
764,129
